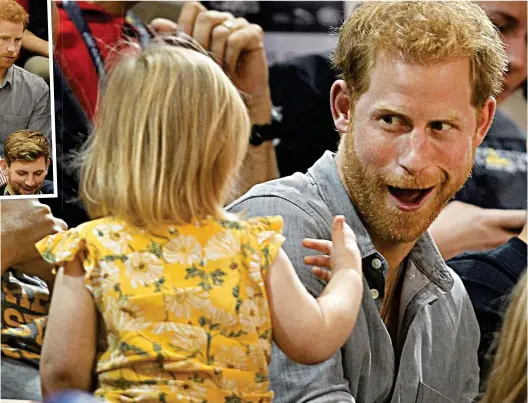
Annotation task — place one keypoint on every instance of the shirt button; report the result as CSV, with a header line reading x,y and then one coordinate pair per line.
x,y
376,263
374,293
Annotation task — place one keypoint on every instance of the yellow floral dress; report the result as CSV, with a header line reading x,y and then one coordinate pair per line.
x,y
184,308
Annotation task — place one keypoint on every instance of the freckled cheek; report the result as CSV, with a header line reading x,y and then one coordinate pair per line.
x,y
17,178
376,151
455,157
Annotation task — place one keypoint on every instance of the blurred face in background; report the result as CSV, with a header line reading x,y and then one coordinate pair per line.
x,y
10,43
510,18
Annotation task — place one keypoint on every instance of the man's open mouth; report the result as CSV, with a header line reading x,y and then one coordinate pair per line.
x,y
409,198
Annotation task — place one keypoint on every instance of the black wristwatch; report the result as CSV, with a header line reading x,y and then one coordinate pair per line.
x,y
267,132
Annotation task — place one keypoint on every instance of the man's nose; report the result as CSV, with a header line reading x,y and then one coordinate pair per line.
x,y
11,47
30,181
415,151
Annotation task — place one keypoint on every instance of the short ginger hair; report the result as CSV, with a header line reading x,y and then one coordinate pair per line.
x,y
11,11
422,32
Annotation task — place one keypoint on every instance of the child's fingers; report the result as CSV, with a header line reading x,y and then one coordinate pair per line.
x,y
337,230
322,245
324,275
348,233
318,260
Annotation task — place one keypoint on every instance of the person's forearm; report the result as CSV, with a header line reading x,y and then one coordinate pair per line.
x,y
260,165
34,44
332,318
463,227
340,303
6,260
54,380
523,236
11,256
259,107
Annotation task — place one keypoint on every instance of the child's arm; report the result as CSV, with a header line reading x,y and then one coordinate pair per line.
x,y
70,341
311,330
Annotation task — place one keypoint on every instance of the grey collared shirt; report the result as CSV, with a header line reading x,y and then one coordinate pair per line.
x,y
434,357
24,104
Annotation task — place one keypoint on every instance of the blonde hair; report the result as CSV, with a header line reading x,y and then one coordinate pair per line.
x,y
11,11
26,145
421,32
507,380
170,134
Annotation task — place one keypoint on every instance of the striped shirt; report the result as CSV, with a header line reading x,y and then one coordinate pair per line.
x,y
24,104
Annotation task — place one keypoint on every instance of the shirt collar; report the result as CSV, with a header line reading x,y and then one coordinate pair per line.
x,y
424,254
8,77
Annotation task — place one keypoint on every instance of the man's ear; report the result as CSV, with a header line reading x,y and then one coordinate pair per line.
x,y
3,166
47,165
340,105
485,118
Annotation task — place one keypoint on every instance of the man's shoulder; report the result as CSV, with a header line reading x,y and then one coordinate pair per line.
x,y
294,189
29,81
295,197
47,187
495,270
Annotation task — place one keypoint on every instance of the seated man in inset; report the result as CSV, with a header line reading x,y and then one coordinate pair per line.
x,y
25,164
24,97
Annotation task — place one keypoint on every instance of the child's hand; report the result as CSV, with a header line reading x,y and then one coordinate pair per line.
x,y
339,254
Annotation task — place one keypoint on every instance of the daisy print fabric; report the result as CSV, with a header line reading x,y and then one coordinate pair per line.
x,y
185,311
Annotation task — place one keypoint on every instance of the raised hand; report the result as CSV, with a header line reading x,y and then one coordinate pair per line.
x,y
342,253
238,47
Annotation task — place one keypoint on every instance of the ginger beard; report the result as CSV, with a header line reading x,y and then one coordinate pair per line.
x,y
370,194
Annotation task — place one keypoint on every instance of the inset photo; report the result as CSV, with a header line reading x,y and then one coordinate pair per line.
x,y
27,145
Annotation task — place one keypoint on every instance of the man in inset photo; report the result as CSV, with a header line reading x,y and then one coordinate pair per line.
x,y
24,97
25,164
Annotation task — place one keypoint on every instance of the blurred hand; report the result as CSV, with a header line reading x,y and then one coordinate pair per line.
x,y
23,223
462,227
342,253
163,26
238,47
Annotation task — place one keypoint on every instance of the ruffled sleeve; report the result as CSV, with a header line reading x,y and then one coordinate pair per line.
x,y
266,238
62,247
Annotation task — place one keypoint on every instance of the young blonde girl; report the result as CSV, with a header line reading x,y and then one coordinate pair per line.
x,y
165,296
507,382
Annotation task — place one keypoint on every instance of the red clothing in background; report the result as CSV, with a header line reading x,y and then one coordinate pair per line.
x,y
72,53
25,4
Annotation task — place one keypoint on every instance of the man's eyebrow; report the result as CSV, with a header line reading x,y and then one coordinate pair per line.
x,y
384,108
451,116
387,109
510,20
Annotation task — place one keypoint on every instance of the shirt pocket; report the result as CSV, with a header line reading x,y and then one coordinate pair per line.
x,y
426,394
